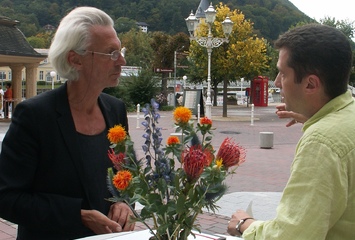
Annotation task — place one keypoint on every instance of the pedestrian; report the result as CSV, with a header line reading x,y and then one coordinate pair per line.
x,y
318,201
54,160
7,99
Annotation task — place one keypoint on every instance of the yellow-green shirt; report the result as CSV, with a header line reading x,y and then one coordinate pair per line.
x,y
318,201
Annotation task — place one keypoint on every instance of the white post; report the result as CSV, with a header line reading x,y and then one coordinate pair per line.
x,y
53,74
138,111
209,53
252,115
198,112
174,79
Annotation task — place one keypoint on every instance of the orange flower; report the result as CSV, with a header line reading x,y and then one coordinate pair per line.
x,y
122,179
194,160
116,134
231,153
206,120
182,115
172,140
116,159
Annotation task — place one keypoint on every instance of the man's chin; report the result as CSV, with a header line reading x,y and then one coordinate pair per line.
x,y
115,82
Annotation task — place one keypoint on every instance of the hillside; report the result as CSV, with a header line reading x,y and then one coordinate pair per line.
x,y
271,17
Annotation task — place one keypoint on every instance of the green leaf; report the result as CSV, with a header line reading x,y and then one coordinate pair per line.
x,y
180,204
162,187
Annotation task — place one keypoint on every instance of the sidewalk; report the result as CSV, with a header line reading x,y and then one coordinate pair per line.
x,y
260,179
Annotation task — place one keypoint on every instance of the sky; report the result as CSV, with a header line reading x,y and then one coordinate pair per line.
x,y
319,9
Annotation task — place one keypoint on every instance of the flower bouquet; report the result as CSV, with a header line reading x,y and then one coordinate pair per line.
x,y
174,182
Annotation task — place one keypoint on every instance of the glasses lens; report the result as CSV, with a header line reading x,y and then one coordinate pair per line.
x,y
115,54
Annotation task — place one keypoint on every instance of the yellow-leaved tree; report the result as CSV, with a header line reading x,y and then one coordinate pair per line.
x,y
243,56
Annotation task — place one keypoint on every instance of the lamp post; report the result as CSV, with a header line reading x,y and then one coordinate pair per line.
x,y
175,68
209,43
53,74
241,89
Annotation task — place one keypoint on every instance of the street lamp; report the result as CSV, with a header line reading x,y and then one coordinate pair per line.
x,y
209,43
175,68
53,74
184,78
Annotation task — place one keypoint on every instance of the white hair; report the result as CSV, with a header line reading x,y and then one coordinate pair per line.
x,y
73,33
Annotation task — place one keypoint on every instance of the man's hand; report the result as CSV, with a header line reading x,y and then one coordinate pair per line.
x,y
98,222
296,117
236,217
121,213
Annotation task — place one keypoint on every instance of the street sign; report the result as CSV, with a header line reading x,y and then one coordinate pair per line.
x,y
163,70
181,66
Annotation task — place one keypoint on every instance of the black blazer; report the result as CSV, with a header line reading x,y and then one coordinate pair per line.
x,y
43,181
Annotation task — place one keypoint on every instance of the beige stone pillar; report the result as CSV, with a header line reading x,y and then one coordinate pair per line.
x,y
16,71
31,80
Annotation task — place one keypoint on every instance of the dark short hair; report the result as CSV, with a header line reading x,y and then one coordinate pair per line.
x,y
320,50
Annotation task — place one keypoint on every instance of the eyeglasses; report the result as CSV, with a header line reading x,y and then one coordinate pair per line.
x,y
114,55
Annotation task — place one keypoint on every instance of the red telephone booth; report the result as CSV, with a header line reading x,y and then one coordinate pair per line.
x,y
259,91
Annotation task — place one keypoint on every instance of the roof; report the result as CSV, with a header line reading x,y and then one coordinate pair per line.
x,y
142,24
200,12
12,41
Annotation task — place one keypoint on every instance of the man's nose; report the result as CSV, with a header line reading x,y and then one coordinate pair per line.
x,y
121,61
277,81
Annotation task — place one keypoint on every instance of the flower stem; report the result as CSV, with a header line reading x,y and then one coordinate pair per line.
x,y
139,217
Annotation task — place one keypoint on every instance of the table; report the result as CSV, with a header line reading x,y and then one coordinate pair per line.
x,y
145,234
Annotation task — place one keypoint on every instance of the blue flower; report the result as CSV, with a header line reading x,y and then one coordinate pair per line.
x,y
145,148
146,136
154,104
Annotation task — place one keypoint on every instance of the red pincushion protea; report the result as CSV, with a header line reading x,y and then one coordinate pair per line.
x,y
194,160
116,159
231,153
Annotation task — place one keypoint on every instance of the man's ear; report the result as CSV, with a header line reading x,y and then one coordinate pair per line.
x,y
74,59
313,83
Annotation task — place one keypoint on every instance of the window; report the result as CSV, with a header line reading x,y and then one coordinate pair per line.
x,y
41,75
3,76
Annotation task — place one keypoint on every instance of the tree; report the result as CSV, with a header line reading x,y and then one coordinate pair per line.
x,y
348,29
41,40
344,26
140,89
124,24
164,46
138,49
244,55
36,42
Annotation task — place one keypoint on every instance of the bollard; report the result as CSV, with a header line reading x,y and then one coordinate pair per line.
x,y
252,115
266,139
138,111
198,113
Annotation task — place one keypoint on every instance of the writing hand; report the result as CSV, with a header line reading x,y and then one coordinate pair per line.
x,y
121,213
98,222
236,217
